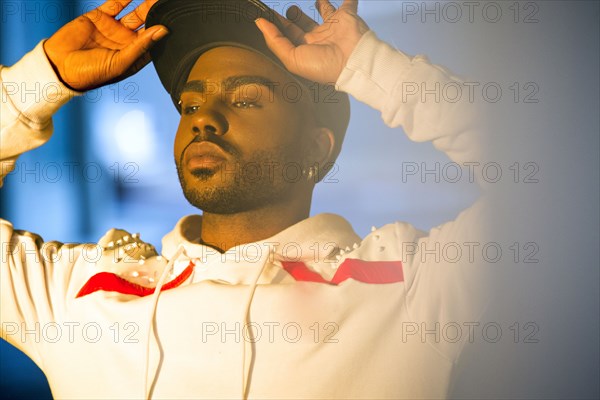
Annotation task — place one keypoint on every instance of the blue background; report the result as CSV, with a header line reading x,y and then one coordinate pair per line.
x,y
118,140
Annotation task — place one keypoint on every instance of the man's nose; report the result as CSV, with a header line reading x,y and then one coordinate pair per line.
x,y
209,121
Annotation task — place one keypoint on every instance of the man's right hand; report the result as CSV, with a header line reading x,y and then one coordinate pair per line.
x,y
96,49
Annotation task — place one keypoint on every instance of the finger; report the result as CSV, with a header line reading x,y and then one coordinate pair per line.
x,y
144,8
298,17
350,5
113,7
109,31
137,17
138,48
325,8
291,30
132,20
277,42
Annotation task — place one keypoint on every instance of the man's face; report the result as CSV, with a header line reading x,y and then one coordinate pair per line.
x,y
242,134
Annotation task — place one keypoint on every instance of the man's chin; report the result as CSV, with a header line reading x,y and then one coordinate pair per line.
x,y
212,199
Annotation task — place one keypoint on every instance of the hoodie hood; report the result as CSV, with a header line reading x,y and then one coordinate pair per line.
x,y
314,241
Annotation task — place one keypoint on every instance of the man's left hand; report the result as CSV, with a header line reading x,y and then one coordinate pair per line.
x,y
316,52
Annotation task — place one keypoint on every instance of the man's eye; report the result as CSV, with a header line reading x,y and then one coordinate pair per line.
x,y
187,110
245,104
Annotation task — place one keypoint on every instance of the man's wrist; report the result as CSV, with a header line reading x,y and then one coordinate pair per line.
x,y
55,67
372,71
34,88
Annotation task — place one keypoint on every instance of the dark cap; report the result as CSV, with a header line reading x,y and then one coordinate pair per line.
x,y
197,26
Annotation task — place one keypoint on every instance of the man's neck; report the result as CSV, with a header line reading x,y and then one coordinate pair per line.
x,y
224,231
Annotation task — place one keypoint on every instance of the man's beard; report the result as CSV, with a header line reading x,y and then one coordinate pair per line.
x,y
227,190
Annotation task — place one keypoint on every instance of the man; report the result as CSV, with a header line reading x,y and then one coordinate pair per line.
x,y
253,299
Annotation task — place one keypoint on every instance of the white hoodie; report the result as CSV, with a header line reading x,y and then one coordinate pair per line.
x,y
312,312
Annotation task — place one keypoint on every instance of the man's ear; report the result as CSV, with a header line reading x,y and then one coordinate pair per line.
x,y
320,151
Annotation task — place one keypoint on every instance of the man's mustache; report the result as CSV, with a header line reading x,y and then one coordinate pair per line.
x,y
216,140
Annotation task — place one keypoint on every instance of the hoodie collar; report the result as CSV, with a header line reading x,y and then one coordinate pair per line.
x,y
326,232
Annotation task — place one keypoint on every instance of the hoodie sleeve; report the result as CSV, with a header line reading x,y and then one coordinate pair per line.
x,y
37,281
447,278
34,276
410,92
31,94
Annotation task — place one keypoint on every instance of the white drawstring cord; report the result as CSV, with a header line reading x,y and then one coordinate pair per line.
x,y
246,368
155,295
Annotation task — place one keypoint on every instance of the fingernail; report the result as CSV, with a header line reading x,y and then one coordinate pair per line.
x,y
159,34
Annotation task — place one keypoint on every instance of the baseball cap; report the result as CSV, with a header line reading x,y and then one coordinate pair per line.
x,y
197,26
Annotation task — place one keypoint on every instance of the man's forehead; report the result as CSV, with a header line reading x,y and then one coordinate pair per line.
x,y
228,83
227,68
234,56
226,61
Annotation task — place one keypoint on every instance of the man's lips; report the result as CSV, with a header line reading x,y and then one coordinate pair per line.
x,y
203,155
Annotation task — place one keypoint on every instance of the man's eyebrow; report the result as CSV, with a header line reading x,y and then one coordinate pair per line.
x,y
231,83
194,86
